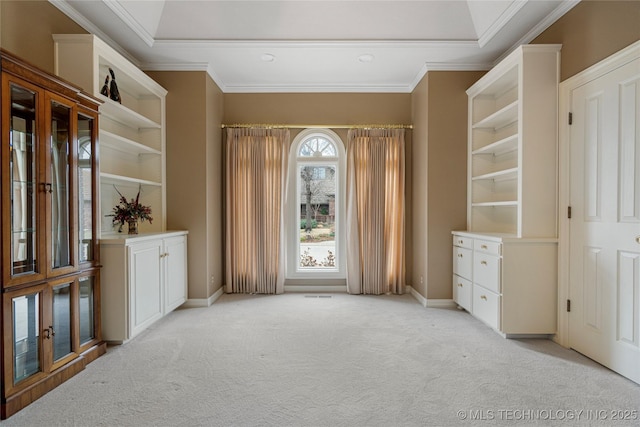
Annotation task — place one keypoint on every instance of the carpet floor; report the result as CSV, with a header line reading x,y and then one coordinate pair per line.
x,y
334,360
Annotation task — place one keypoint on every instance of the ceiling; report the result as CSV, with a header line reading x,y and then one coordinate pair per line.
x,y
315,45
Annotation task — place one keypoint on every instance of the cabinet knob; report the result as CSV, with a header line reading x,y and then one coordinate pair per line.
x,y
459,255
484,297
638,239
483,247
460,241
459,285
483,262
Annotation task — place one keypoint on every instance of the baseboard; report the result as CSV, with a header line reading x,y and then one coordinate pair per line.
x,y
203,302
311,288
441,303
422,300
433,303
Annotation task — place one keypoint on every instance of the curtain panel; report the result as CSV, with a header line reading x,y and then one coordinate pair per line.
x,y
375,211
255,180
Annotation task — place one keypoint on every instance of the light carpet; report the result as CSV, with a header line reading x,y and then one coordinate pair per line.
x,y
333,360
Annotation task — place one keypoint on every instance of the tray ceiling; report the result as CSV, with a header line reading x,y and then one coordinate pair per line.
x,y
313,45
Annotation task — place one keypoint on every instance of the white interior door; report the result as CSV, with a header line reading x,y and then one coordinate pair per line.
x,y
604,270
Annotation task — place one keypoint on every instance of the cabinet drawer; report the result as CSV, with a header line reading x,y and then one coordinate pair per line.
x,y
463,242
462,262
462,292
493,248
486,271
486,306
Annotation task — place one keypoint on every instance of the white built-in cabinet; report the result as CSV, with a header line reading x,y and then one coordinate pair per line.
x,y
507,282
505,263
146,281
144,276
132,133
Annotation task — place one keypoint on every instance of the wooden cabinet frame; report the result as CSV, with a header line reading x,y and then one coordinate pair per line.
x,y
38,326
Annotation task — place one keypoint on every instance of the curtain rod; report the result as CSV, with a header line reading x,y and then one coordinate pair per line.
x,y
276,126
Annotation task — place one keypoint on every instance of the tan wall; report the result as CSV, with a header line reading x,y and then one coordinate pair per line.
x,y
592,31
26,27
447,173
317,109
417,276
215,192
194,107
439,104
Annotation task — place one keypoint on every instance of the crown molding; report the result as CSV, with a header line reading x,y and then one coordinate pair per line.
x,y
502,20
130,21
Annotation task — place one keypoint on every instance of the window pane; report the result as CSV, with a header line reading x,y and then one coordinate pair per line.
x,y
317,147
317,237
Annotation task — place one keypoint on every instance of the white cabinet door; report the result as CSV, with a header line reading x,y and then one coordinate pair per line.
x,y
145,284
175,272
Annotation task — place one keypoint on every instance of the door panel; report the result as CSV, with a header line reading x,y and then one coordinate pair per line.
x,y
604,321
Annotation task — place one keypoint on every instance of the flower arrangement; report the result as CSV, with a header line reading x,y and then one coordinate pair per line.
x,y
131,212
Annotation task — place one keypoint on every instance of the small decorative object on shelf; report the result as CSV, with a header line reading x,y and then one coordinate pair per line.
x,y
105,88
130,212
114,93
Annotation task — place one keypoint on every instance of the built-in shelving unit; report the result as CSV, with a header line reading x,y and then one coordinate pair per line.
x,y
132,133
505,263
512,125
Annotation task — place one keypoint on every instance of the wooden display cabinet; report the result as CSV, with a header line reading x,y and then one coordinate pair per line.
x,y
50,253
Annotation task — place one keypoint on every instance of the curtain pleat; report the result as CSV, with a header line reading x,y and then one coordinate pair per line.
x,y
375,211
255,194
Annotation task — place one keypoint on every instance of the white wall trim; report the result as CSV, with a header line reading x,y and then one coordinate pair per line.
x,y
422,300
203,302
441,303
603,67
431,303
315,289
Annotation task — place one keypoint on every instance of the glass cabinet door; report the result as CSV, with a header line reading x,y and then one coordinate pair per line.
x,y
86,189
87,291
61,323
57,187
23,337
21,205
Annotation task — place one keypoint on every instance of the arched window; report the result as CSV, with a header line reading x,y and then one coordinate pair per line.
x,y
316,204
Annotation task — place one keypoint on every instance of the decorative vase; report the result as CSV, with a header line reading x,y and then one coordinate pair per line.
x,y
133,226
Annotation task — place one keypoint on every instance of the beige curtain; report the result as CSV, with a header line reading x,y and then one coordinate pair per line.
x,y
375,211
255,178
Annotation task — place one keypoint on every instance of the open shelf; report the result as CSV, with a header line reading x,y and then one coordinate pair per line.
x,y
124,115
498,148
500,118
502,175
505,203
109,178
120,143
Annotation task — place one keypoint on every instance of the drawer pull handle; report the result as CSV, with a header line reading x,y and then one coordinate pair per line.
x,y
484,297
483,262
484,247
